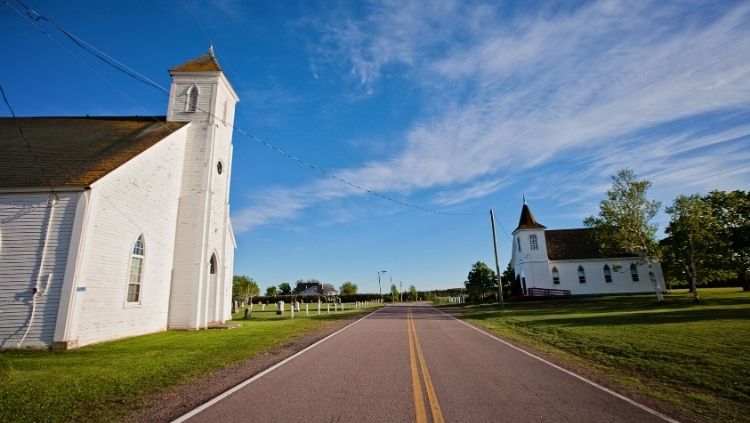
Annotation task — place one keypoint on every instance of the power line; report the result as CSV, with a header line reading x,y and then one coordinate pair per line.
x,y
37,162
34,16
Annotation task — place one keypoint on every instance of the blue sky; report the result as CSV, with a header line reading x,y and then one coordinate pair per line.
x,y
457,107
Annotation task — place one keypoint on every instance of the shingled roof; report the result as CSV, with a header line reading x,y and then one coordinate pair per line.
x,y
205,63
574,244
527,220
73,151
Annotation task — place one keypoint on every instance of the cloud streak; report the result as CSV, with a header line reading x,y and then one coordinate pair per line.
x,y
511,97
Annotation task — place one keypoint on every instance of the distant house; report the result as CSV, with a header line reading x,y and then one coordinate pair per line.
x,y
318,290
118,226
568,259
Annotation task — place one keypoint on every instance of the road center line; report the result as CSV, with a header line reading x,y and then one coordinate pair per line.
x,y
419,410
437,414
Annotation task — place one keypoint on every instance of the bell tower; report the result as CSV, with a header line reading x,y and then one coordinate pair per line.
x,y
201,277
529,257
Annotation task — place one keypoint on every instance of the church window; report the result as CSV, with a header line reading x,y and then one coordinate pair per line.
x,y
519,244
212,265
533,242
219,167
192,99
581,275
607,274
634,272
555,276
136,271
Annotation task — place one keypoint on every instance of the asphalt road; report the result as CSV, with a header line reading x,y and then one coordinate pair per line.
x,y
415,364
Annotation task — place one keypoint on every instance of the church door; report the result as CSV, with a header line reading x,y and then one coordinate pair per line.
x,y
213,286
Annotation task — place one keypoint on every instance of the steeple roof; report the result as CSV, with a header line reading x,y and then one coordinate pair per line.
x,y
527,220
205,63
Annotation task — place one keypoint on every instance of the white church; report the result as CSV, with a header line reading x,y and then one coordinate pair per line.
x,y
569,260
113,227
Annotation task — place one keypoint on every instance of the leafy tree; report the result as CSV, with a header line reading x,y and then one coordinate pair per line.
x,y
244,288
413,293
348,288
691,234
394,292
481,279
624,221
732,213
285,288
328,287
510,281
272,291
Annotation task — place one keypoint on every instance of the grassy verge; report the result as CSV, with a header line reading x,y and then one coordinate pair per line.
x,y
108,381
693,356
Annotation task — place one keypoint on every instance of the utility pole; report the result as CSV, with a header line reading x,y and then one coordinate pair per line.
x,y
380,287
400,291
497,261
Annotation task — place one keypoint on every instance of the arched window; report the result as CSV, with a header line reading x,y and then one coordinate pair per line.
x,y
607,274
136,270
519,244
634,272
581,275
212,265
192,99
555,276
533,242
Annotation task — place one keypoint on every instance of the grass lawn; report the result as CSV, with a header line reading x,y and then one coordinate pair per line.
x,y
107,381
694,356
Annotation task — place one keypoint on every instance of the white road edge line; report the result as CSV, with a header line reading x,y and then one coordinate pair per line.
x,y
243,384
577,376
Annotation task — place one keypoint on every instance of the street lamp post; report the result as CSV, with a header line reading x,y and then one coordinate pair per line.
x,y
380,287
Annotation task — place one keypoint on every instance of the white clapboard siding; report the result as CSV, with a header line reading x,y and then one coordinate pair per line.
x,y
594,270
138,198
23,225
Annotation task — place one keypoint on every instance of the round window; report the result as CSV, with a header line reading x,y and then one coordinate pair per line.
x,y
219,167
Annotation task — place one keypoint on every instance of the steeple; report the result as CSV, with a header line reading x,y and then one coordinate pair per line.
x,y
527,220
205,63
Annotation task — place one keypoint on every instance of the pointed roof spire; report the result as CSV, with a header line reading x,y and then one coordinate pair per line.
x,y
205,63
527,220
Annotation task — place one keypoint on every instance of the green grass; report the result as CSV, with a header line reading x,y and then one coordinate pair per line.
x,y
108,381
694,356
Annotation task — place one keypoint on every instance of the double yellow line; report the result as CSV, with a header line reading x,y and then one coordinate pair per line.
x,y
416,356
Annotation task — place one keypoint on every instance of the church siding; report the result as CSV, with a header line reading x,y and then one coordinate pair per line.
x,y
139,197
595,284
23,226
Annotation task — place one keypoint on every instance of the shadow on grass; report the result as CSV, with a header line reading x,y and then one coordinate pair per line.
x,y
647,318
705,309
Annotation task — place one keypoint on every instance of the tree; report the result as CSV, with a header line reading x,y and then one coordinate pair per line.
x,y
244,289
623,224
348,288
413,293
691,234
272,291
481,279
732,213
394,293
510,280
285,288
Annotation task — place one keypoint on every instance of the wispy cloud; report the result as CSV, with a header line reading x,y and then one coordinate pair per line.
x,y
532,90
